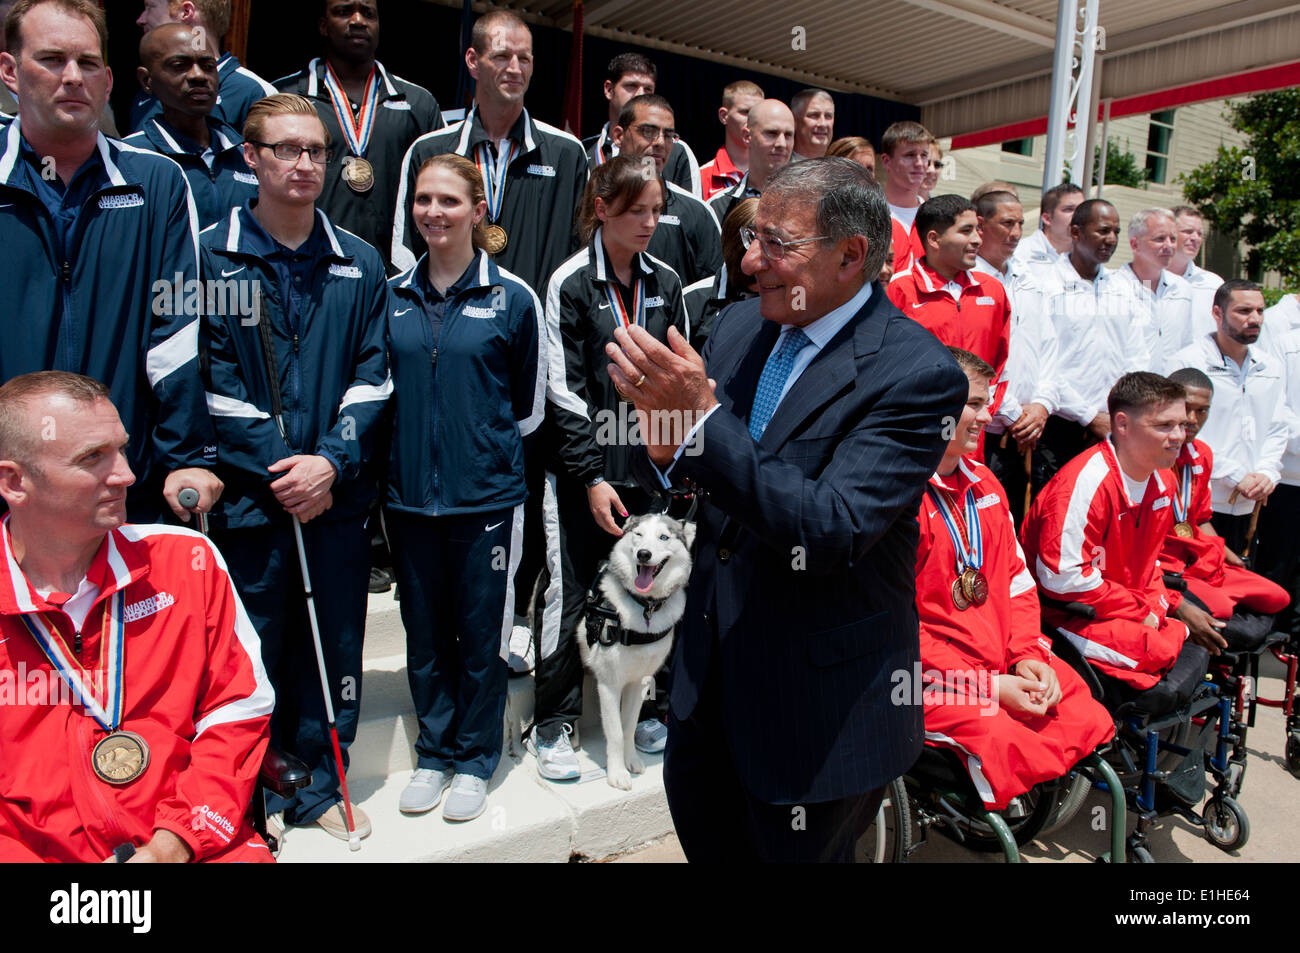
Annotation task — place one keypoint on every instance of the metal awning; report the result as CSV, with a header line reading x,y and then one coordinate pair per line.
x,y
970,65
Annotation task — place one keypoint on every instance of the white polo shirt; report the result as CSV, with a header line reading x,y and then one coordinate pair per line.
x,y
1248,425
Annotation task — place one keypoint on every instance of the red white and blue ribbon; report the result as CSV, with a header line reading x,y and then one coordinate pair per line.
x,y
494,175
621,316
355,132
973,557
108,710
1183,498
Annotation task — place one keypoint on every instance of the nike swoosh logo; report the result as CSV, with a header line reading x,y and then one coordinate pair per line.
x,y
488,529
6,204
227,274
398,314
916,305
603,307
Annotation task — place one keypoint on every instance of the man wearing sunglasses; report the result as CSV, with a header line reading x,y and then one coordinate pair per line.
x,y
687,237
819,415
281,278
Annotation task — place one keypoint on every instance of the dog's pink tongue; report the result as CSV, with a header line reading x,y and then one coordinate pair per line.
x,y
645,578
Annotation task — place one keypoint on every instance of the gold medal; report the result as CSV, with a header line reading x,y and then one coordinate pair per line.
x,y
494,239
974,586
1184,530
358,174
121,757
958,596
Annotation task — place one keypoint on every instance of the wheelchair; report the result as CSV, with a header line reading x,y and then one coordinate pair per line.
x,y
280,774
1169,738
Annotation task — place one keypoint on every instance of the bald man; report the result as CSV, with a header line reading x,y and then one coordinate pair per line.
x,y
178,67
771,143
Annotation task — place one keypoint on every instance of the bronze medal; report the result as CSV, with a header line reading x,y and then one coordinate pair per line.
x,y
120,758
358,174
1183,530
975,586
958,596
494,239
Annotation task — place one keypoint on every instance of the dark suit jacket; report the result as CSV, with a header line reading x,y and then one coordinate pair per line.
x,y
804,579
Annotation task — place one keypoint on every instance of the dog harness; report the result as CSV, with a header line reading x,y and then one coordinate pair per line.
x,y
605,626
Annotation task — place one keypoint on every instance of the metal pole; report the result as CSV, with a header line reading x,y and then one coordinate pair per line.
x,y
1085,114
1105,139
1090,146
1058,114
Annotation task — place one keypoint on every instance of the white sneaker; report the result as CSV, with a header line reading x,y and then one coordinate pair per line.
x,y
424,790
651,736
521,650
467,799
556,761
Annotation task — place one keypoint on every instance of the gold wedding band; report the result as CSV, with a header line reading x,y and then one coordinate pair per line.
x,y
640,382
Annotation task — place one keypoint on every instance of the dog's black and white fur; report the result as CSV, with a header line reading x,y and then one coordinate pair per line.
x,y
644,584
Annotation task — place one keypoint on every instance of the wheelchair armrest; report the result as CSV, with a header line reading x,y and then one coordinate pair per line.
x,y
283,773
1175,580
1081,609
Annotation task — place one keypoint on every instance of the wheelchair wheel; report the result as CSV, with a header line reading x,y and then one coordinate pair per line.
x,y
1068,802
1226,824
1140,855
1040,805
889,838
1293,753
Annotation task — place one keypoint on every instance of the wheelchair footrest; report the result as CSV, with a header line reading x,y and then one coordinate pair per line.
x,y
1186,782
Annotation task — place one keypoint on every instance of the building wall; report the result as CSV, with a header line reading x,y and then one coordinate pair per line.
x,y
1199,130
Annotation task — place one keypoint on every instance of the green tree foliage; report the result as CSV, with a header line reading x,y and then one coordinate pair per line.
x,y
1253,193
1121,167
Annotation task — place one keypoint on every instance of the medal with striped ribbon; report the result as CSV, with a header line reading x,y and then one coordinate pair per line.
x,y
621,316
494,171
358,173
970,587
1182,501
121,756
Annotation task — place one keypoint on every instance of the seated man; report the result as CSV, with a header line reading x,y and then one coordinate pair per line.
x,y
982,653
136,706
1214,574
1094,532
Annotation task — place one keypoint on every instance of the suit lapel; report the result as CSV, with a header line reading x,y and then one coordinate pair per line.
x,y
832,369
742,385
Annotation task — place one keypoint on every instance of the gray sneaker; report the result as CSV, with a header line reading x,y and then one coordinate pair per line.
x,y
651,736
555,761
424,790
467,799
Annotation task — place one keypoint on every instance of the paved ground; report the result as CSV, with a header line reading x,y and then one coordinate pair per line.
x,y
1269,797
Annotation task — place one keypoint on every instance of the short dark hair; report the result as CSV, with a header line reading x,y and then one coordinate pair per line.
x,y
972,363
800,100
986,206
1191,377
649,100
1223,294
478,36
1052,197
901,132
940,214
1083,214
629,62
1142,389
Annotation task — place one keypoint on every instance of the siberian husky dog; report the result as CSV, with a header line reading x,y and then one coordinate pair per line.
x,y
632,609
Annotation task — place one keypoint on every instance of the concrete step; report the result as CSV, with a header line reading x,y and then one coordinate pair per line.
x,y
527,819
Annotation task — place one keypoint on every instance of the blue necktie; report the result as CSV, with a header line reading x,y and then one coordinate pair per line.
x,y
772,381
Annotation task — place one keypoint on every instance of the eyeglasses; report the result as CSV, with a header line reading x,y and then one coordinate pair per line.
x,y
773,249
651,133
291,152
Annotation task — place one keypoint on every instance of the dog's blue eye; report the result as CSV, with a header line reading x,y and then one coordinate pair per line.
x,y
664,538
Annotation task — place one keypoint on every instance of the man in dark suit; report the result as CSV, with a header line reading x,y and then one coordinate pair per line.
x,y
821,415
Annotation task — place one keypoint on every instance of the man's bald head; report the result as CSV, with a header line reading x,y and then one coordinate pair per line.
x,y
159,42
767,111
771,139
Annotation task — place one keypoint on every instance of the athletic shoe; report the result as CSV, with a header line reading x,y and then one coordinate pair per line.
x,y
555,761
335,823
467,799
521,650
424,790
651,736
380,580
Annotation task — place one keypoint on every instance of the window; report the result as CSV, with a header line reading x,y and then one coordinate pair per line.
x,y
1159,136
1019,147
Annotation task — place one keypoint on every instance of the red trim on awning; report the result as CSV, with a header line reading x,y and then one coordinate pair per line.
x,y
1240,84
